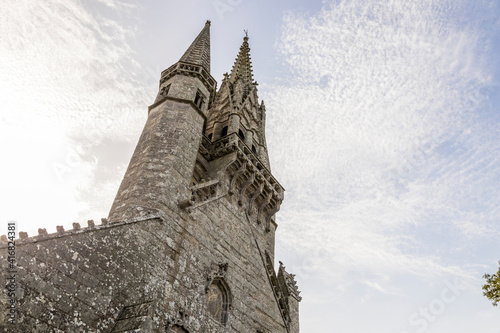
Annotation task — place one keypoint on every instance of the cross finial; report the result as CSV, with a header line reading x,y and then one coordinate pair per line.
x,y
246,33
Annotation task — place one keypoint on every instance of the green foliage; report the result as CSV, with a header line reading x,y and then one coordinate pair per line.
x,y
492,287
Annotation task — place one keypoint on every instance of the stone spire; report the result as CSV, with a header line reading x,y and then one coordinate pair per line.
x,y
236,109
171,136
195,62
199,51
242,70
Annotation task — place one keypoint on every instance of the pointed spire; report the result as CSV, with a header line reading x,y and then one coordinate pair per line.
x,y
242,68
199,51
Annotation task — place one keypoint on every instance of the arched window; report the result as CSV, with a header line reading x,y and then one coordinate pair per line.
x,y
224,131
254,150
241,135
218,300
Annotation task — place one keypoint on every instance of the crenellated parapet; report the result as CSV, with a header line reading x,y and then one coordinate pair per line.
x,y
43,235
236,171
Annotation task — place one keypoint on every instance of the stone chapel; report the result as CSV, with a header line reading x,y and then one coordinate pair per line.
x,y
188,245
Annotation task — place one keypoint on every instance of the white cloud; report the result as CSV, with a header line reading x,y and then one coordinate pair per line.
x,y
380,136
380,174
69,83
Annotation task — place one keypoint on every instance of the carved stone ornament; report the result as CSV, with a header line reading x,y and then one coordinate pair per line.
x,y
216,271
291,284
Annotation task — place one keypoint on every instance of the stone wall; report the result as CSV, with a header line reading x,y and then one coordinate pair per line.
x,y
161,167
81,280
189,246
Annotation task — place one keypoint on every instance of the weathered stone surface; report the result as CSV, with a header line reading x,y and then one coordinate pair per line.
x,y
189,246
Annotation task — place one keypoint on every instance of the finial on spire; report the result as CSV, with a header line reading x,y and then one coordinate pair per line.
x,y
208,23
242,71
243,66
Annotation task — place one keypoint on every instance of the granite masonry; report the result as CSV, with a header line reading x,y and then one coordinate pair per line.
x,y
189,242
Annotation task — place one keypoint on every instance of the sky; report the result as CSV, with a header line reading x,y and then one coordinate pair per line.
x,y
383,126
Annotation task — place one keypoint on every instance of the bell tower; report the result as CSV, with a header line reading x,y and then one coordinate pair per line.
x,y
202,165
189,242
233,160
232,166
161,166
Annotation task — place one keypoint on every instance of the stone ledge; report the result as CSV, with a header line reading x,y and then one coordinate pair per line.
x,y
179,100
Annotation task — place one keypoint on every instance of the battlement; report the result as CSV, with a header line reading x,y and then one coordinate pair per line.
x,y
43,235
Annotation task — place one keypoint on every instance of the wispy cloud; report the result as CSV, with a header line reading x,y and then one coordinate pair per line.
x,y
385,147
70,82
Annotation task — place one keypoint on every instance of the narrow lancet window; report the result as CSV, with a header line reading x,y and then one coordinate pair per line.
x,y
224,131
218,301
164,91
198,100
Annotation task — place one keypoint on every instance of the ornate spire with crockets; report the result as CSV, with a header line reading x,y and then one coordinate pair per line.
x,y
242,69
199,51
